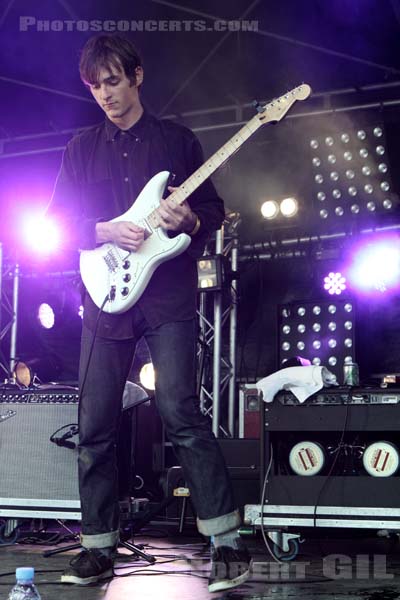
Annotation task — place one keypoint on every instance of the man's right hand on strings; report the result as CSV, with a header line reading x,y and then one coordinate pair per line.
x,y
124,234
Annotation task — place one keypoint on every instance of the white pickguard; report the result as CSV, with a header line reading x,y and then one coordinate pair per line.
x,y
110,270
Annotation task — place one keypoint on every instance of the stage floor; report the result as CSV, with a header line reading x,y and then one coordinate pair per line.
x,y
350,566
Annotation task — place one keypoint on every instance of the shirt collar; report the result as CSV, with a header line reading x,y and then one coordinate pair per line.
x,y
137,131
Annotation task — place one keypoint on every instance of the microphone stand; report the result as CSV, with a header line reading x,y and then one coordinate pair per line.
x,y
122,542
132,547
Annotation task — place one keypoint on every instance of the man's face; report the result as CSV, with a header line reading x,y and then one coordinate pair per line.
x,y
114,93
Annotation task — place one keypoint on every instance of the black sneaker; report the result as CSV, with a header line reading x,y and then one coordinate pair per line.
x,y
229,568
89,566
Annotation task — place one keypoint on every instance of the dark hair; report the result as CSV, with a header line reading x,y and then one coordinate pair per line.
x,y
102,51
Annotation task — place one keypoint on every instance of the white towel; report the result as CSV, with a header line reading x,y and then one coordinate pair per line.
x,y
301,381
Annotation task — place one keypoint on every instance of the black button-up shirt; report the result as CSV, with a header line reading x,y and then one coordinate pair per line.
x,y
102,173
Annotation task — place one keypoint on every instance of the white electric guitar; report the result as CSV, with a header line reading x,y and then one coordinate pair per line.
x,y
122,276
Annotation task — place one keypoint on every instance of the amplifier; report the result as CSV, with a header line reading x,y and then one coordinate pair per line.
x,y
345,395
39,478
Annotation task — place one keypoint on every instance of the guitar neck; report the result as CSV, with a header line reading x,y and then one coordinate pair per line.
x,y
211,165
274,111
216,160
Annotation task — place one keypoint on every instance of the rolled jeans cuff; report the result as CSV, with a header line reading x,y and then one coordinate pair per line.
x,y
219,525
100,540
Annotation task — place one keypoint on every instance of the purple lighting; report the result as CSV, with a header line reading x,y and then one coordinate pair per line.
x,y
334,283
41,234
377,266
46,316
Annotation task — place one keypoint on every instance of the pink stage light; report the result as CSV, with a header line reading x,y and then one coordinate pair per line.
x,y
334,283
376,266
41,234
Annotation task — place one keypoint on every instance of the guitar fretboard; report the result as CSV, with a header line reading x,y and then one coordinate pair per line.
x,y
211,165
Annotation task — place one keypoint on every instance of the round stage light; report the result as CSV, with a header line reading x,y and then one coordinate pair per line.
x,y
334,283
46,316
147,376
376,266
289,207
41,234
23,374
269,209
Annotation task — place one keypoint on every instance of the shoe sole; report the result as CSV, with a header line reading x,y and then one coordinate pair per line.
x,y
226,584
87,580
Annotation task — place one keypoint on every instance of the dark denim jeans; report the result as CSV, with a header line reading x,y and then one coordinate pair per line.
x,y
172,347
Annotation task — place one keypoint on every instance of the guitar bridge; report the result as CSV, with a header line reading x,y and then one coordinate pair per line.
x,y
111,260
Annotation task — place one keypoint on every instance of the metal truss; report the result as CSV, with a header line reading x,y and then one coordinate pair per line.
x,y
8,313
297,247
216,368
217,360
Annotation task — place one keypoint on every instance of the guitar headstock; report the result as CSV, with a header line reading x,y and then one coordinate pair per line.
x,y
277,109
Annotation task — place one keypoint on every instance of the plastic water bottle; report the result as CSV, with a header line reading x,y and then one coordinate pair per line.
x,y
24,589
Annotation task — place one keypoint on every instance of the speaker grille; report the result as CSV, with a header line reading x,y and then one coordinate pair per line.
x,y
32,467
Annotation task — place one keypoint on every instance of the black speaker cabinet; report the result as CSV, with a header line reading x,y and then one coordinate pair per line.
x,y
353,418
39,478
242,457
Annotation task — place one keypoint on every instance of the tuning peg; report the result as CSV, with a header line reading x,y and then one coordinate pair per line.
x,y
259,107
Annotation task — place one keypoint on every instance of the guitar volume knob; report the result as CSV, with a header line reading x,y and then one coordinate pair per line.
x,y
126,277
126,264
125,291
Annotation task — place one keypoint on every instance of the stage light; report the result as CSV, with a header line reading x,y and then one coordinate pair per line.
x,y
283,207
350,174
209,273
41,234
289,207
323,331
376,266
269,209
46,316
23,374
147,376
334,283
